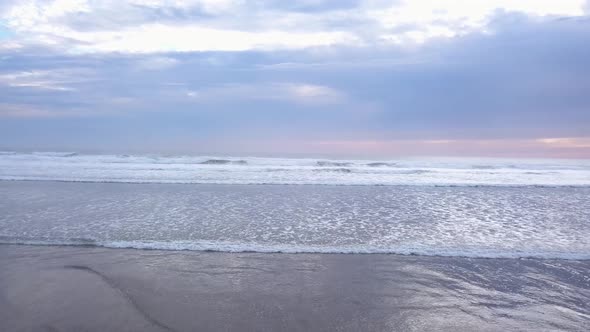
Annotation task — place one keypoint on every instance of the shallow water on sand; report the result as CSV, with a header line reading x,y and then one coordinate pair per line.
x,y
448,221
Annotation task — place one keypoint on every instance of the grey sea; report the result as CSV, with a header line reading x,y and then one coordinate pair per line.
x,y
217,257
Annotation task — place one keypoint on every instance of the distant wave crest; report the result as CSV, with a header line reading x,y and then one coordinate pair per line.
x,y
55,154
333,164
381,164
483,167
77,167
223,162
336,170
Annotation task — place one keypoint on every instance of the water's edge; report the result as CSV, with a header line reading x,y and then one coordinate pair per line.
x,y
278,249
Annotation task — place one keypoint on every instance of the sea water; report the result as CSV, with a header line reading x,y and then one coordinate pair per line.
x,y
472,221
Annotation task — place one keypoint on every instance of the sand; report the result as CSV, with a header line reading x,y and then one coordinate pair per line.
x,y
45,288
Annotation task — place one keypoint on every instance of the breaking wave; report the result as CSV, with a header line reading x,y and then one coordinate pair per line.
x,y
332,164
381,164
483,167
213,246
76,167
223,162
337,170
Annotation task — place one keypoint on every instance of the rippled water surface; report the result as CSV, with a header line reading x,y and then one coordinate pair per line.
x,y
449,221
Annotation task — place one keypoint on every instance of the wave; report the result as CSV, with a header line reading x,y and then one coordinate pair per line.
x,y
413,171
296,249
332,164
336,170
381,164
223,162
484,167
55,154
74,167
298,183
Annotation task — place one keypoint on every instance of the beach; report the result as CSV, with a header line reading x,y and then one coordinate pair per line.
x,y
306,165
83,256
49,288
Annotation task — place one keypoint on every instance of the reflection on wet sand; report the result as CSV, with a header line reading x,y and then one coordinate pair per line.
x,y
71,289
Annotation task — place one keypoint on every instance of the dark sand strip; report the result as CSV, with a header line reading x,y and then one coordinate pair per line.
x,y
97,289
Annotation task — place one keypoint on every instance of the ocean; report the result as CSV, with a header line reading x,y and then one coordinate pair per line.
x,y
227,243
74,167
490,208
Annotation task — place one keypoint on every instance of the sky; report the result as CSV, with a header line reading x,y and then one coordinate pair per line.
x,y
496,78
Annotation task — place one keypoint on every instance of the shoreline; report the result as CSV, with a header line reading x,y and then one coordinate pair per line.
x,y
89,288
289,184
287,252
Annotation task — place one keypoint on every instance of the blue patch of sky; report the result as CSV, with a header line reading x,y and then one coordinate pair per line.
x,y
5,32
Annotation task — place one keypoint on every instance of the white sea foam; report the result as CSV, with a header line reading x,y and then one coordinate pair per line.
x,y
73,167
220,246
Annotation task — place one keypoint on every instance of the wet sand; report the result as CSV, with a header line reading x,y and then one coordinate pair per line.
x,y
99,289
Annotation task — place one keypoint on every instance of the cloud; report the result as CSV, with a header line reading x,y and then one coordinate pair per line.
x,y
566,142
309,5
58,80
433,72
231,25
290,92
31,111
152,38
157,63
578,147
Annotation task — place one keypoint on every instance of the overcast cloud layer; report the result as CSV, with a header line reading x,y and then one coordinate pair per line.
x,y
384,78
